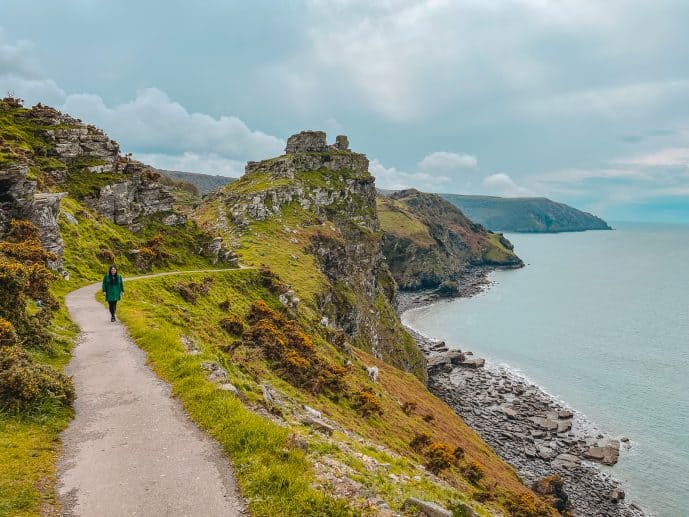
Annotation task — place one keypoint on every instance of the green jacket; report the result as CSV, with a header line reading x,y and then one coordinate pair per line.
x,y
113,291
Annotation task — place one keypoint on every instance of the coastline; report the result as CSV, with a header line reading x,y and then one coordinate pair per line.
x,y
532,430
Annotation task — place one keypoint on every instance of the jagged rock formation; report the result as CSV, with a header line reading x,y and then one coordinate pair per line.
x,y
525,214
138,195
19,200
330,191
428,241
45,154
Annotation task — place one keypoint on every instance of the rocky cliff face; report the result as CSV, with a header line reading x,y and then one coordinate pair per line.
x,y
428,241
328,196
46,155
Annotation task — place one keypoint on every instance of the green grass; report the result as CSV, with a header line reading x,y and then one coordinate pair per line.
x,y
496,252
83,242
396,220
274,477
29,443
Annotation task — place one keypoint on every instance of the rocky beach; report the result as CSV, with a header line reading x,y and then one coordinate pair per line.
x,y
529,428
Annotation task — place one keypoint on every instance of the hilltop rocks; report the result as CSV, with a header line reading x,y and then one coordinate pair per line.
x,y
330,187
72,140
306,142
136,196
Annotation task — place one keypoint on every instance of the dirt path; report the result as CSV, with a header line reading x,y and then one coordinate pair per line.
x,y
131,449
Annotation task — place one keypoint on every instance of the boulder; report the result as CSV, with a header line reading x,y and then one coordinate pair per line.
x,y
426,508
318,424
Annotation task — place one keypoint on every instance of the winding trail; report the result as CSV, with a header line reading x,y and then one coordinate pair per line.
x,y
131,449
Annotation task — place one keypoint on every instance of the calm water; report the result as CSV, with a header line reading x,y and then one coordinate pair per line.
x,y
600,320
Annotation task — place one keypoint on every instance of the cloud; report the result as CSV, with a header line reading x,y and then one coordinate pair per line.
x,y
192,162
395,179
153,123
502,185
446,161
157,129
19,74
668,157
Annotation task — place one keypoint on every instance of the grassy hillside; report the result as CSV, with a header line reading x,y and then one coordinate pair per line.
x,y
525,214
284,465
428,241
271,361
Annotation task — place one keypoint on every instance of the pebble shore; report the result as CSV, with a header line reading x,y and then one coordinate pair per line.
x,y
527,427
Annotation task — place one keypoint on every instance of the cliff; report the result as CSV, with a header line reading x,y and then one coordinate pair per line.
x,y
525,214
298,364
313,210
428,241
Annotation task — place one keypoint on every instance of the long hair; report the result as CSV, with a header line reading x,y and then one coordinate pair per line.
x,y
112,278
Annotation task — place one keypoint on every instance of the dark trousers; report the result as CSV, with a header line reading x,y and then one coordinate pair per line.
x,y
112,306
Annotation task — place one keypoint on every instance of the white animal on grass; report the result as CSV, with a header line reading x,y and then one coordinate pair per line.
x,y
372,373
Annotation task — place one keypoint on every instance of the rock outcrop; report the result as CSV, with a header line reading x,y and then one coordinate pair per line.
x,y
19,200
331,190
51,152
428,241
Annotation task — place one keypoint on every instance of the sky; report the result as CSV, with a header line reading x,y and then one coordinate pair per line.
x,y
585,102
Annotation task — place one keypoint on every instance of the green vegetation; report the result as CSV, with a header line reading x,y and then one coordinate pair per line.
x,y
496,252
35,397
20,136
94,243
395,219
275,470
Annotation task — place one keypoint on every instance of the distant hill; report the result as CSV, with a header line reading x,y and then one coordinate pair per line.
x,y
204,182
525,214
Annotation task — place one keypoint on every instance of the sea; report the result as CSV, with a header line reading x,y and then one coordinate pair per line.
x,y
600,320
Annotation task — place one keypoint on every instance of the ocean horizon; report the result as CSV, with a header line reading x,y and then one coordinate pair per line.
x,y
600,321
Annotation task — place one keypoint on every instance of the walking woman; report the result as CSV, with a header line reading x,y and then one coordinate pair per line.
x,y
113,288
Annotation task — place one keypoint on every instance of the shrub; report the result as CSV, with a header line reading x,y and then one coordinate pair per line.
x,y
22,382
271,281
472,471
439,456
458,453
528,505
152,252
408,408
190,291
552,489
428,417
105,255
420,442
225,305
368,403
232,325
291,351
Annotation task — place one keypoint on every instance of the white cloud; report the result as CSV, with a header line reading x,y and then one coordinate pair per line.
x,y
192,162
447,161
395,179
153,123
668,157
502,185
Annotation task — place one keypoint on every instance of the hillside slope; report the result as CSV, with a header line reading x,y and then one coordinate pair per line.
x,y
525,214
275,362
427,241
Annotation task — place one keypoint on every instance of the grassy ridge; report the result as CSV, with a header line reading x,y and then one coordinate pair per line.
x,y
274,475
